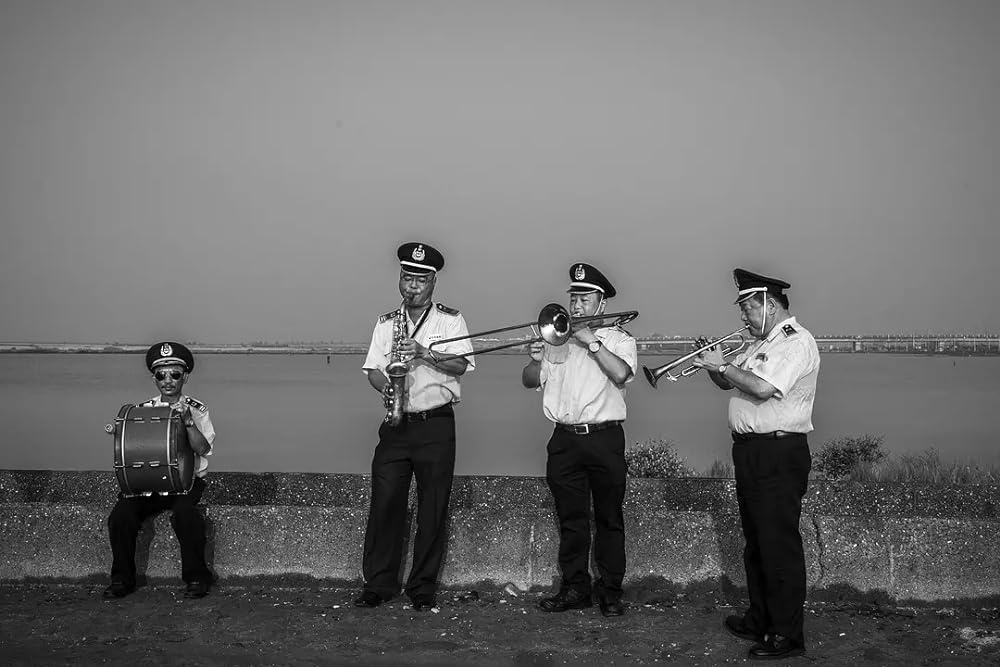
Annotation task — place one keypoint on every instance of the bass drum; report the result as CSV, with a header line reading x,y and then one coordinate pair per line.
x,y
152,454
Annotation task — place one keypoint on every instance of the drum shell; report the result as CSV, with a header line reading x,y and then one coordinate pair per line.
x,y
152,454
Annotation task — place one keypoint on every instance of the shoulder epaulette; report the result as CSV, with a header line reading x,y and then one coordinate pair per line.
x,y
624,331
788,330
196,404
446,310
388,316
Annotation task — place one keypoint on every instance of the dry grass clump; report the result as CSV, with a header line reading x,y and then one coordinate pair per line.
x,y
925,468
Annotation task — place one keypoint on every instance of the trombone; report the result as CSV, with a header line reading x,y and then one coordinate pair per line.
x,y
555,326
654,374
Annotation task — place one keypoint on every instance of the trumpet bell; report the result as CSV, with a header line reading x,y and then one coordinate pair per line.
x,y
652,377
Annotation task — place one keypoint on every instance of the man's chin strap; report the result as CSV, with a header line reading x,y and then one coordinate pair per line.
x,y
763,320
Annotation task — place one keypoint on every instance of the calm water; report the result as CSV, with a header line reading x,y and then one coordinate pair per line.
x,y
297,413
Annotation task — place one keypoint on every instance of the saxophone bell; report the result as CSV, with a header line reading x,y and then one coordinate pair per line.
x,y
396,372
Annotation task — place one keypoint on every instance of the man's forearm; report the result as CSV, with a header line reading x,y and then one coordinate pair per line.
x,y
531,375
747,382
199,445
377,380
612,365
454,366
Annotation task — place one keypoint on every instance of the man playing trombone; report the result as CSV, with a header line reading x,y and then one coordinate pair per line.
x,y
417,437
583,394
769,416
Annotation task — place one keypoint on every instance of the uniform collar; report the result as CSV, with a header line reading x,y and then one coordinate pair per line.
x,y
778,327
156,400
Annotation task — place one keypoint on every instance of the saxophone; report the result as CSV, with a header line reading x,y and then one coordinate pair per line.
x,y
396,371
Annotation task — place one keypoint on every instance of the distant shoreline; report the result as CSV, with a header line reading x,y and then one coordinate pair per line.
x,y
99,348
664,348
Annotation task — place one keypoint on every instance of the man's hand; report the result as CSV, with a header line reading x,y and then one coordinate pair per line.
x,y
183,410
410,349
584,334
710,359
536,350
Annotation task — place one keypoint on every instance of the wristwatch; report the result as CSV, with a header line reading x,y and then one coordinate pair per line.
x,y
594,346
722,369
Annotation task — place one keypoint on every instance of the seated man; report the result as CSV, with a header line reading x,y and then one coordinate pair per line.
x,y
170,364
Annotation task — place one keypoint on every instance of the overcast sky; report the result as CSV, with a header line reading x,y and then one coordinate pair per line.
x,y
233,170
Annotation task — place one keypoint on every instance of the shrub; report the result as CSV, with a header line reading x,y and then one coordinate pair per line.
x,y
840,456
655,458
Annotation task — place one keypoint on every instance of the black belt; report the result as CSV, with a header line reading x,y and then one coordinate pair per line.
x,y
442,411
772,435
586,429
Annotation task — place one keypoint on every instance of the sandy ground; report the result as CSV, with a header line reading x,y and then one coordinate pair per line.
x,y
278,622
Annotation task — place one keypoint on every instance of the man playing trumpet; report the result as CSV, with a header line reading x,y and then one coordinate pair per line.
x,y
769,415
417,438
583,394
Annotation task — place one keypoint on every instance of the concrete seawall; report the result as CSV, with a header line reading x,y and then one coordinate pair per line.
x,y
911,542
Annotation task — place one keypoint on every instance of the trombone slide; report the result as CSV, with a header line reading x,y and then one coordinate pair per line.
x,y
555,326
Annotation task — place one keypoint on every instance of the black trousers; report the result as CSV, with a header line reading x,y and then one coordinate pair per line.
x,y
582,469
187,521
771,478
425,450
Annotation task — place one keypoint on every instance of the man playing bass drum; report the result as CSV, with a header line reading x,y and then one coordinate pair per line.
x,y
170,363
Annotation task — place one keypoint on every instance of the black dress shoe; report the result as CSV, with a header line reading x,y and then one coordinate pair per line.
x,y
196,589
424,602
117,590
565,600
776,647
611,607
737,627
368,599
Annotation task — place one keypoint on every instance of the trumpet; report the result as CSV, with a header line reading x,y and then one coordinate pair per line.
x,y
654,374
555,326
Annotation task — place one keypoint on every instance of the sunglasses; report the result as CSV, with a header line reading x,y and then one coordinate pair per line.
x,y
162,375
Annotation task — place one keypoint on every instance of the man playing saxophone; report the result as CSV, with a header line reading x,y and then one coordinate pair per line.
x,y
417,436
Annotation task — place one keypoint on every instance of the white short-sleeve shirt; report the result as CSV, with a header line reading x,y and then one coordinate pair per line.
x,y
201,419
789,360
427,387
574,388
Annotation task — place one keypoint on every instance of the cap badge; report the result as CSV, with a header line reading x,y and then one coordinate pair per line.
x,y
418,253
579,273
166,350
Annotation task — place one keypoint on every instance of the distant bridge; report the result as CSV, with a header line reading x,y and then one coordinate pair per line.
x,y
961,345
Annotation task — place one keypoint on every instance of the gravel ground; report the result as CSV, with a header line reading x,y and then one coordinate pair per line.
x,y
258,622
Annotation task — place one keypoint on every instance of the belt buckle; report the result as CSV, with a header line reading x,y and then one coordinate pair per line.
x,y
581,429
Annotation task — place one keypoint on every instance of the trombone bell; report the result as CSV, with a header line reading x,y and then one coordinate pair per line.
x,y
553,324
